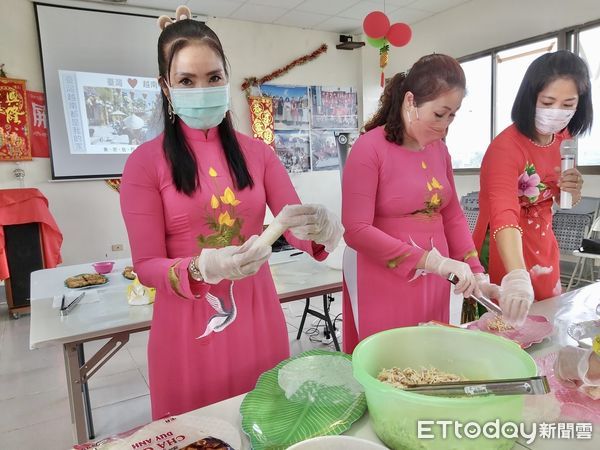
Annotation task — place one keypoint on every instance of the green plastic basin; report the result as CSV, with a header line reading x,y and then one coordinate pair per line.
x,y
475,355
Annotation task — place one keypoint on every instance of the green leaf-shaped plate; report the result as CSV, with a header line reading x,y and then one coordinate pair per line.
x,y
312,394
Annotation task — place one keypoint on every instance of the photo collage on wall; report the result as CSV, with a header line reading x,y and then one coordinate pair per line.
x,y
308,122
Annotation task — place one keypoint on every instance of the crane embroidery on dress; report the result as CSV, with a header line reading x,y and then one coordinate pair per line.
x,y
224,316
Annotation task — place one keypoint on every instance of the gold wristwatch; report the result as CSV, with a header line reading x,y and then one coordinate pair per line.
x,y
194,270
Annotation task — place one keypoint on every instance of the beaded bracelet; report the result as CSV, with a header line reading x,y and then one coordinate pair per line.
x,y
194,269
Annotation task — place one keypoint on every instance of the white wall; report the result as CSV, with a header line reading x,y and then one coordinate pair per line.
x,y
258,49
88,212
475,26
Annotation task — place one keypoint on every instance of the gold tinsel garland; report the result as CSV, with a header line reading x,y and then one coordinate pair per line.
x,y
254,81
114,183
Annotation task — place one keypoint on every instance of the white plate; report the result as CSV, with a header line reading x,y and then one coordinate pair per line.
x,y
336,443
91,286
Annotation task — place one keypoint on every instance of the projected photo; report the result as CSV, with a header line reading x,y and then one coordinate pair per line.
x,y
324,153
334,108
293,149
290,106
108,114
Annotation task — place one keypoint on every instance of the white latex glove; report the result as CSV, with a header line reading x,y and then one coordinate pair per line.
x,y
489,290
516,296
232,262
572,368
314,223
436,263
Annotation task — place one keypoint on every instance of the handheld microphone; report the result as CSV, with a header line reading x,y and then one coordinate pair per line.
x,y
568,151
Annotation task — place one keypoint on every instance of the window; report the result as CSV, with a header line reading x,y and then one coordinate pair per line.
x,y
588,154
511,65
495,75
493,79
469,134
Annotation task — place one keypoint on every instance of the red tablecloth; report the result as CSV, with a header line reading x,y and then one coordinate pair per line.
x,y
20,206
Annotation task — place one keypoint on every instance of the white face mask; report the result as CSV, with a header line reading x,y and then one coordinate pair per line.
x,y
552,120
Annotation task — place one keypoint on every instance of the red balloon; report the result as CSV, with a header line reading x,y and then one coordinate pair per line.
x,y
399,34
376,24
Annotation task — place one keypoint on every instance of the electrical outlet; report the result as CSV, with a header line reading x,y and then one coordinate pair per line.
x,y
117,247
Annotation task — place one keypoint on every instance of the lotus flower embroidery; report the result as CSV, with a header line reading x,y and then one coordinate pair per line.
x,y
221,219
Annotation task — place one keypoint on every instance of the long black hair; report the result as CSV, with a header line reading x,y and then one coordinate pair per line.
x,y
543,71
429,77
184,167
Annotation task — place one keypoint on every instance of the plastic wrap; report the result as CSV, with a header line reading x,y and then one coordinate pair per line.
x,y
312,394
173,433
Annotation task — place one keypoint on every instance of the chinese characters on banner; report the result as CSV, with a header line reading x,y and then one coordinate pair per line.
x,y
36,106
261,118
14,133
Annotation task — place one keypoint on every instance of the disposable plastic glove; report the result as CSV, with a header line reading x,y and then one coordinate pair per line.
x,y
436,263
487,289
573,368
232,262
516,296
312,222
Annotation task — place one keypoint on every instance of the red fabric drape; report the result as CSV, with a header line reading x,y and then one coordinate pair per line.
x,y
20,206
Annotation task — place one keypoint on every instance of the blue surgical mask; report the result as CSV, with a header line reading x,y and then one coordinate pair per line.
x,y
200,108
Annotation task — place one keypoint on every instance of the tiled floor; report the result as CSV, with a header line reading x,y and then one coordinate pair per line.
x,y
33,395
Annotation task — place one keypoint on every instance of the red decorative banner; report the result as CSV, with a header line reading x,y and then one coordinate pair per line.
x,y
36,106
14,133
261,118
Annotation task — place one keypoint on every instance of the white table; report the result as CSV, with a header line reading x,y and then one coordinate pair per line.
x,y
571,307
229,410
111,317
